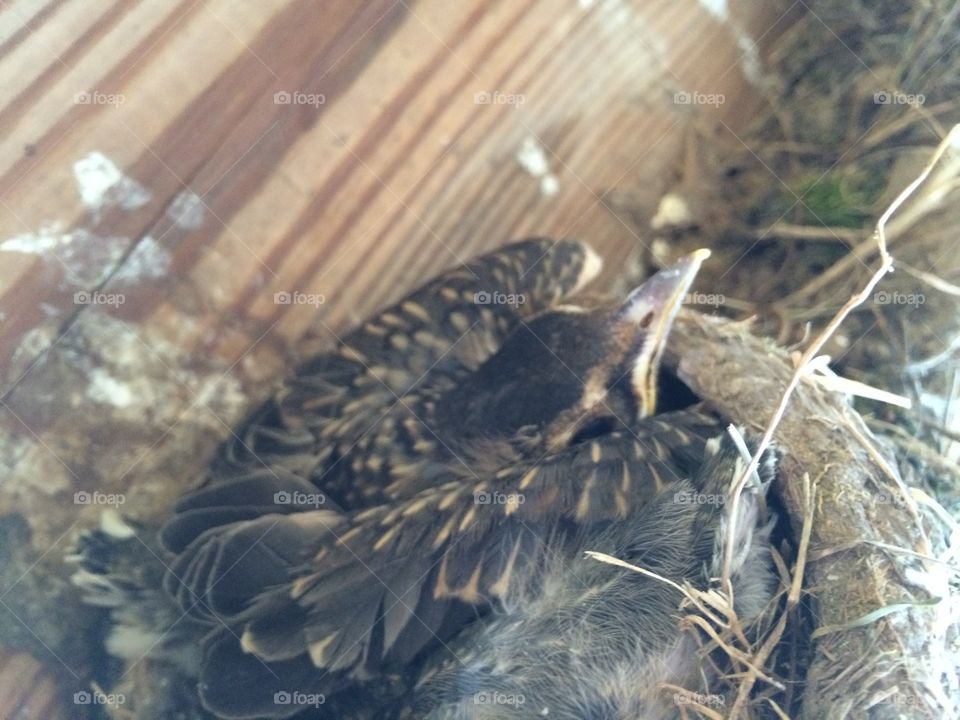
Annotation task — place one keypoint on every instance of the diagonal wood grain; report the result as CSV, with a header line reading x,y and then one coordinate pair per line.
x,y
232,196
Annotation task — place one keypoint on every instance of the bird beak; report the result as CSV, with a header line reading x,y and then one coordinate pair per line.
x,y
651,308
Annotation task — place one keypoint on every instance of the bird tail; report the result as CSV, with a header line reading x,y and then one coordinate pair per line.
x,y
119,568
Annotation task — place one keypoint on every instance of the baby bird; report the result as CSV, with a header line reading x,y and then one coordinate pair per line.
x,y
451,457
593,641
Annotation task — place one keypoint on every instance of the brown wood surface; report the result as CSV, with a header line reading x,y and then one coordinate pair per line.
x,y
399,173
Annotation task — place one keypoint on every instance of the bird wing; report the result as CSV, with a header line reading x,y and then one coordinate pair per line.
x,y
471,540
355,591
444,329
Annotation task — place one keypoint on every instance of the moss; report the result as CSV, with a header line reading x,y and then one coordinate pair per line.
x,y
837,200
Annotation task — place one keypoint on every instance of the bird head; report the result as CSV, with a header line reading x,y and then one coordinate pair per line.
x,y
573,372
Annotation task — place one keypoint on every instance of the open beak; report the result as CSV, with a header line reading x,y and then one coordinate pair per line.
x,y
652,308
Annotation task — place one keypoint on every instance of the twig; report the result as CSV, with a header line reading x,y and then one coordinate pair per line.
x,y
866,249
788,231
921,367
881,462
932,280
689,593
886,263
937,426
793,598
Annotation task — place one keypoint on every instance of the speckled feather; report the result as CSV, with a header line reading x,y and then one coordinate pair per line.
x,y
363,399
585,640
423,411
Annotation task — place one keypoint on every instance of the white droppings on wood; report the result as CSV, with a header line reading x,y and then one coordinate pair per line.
x,y
106,389
34,472
132,376
750,58
187,210
101,184
532,158
223,395
148,261
90,259
46,239
85,259
717,8
616,16
32,345
549,185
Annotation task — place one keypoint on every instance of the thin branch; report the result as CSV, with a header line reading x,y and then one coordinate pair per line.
x,y
886,263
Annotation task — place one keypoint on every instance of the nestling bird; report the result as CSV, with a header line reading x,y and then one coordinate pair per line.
x,y
588,640
451,455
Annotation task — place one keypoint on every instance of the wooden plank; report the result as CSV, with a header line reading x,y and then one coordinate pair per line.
x,y
149,156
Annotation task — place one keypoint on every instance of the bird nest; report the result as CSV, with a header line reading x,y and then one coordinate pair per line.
x,y
834,220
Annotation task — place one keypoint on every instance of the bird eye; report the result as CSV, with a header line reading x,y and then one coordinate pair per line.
x,y
595,428
647,319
